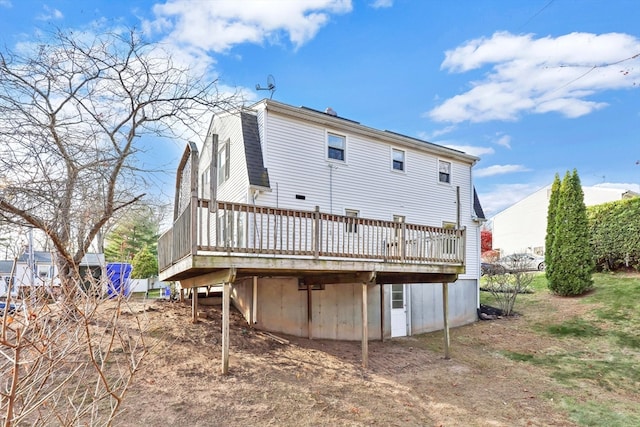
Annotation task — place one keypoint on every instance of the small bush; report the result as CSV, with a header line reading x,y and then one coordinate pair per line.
x,y
505,287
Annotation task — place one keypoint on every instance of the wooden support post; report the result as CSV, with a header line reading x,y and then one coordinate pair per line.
x,y
445,312
194,305
309,310
254,304
226,290
382,307
365,329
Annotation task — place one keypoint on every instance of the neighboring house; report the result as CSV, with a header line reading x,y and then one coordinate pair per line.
x,y
522,227
7,280
41,269
326,228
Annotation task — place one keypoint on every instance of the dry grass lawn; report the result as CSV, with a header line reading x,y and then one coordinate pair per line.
x,y
409,383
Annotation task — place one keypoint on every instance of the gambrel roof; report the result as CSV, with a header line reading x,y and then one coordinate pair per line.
x,y
258,174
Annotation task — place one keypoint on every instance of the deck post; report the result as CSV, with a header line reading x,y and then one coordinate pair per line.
x,y
193,235
254,303
316,232
226,290
309,311
381,312
365,329
194,305
445,312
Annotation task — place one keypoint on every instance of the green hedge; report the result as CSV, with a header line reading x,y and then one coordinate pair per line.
x,y
615,234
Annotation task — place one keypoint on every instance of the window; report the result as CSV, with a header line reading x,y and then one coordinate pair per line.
x,y
350,225
337,147
223,162
444,172
397,160
205,183
397,296
43,271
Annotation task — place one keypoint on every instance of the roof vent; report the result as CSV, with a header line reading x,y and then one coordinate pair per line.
x,y
330,111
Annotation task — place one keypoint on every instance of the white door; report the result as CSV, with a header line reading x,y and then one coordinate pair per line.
x,y
398,311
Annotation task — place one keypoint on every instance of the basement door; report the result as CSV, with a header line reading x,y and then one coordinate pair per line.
x,y
398,311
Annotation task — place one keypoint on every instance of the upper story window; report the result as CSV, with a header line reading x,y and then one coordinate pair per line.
x,y
444,171
397,160
224,154
336,147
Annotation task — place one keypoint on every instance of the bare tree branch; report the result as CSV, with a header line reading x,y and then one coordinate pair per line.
x,y
71,114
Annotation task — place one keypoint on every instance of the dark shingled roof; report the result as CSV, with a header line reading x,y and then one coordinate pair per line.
x,y
477,208
258,174
42,257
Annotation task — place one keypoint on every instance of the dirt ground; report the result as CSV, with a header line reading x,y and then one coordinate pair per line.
x,y
318,382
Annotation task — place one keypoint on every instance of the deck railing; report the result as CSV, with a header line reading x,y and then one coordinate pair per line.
x,y
237,228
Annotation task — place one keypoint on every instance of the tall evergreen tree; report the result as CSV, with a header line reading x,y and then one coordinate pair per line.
x,y
551,226
571,257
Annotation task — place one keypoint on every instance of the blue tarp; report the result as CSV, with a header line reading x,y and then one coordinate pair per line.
x,y
119,283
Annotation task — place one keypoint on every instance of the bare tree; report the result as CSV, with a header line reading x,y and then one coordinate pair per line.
x,y
61,369
71,110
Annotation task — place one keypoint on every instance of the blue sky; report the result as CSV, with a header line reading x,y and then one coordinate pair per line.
x,y
531,87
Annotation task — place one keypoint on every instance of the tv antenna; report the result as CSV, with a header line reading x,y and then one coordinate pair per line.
x,y
271,85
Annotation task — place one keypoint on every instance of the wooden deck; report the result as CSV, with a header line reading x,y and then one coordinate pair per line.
x,y
265,241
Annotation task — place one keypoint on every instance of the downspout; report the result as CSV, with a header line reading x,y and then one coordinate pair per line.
x,y
458,207
331,189
479,250
478,247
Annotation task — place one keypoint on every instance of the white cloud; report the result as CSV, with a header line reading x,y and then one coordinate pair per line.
x,y
504,140
6,3
377,4
524,75
440,132
469,149
50,13
218,26
503,196
499,170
